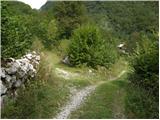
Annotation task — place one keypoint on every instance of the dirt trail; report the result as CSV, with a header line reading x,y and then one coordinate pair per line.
x,y
78,98
75,101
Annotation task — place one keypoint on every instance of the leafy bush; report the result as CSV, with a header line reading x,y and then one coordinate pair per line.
x,y
46,31
140,103
144,98
89,48
16,37
20,29
145,64
69,16
49,31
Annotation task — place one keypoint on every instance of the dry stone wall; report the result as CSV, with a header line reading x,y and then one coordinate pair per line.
x,y
15,72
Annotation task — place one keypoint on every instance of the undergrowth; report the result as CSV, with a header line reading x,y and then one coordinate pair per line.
x,y
140,103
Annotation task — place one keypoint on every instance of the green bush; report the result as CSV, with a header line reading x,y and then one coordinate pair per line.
x,y
140,103
89,48
145,64
69,15
47,31
19,30
143,98
15,34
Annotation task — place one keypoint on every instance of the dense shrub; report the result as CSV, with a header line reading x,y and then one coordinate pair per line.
x,y
46,31
20,29
69,15
140,103
16,37
143,101
145,64
88,47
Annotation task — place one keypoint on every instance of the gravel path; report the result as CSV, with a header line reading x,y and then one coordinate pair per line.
x,y
75,102
78,98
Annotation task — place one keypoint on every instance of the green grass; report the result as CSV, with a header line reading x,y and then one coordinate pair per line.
x,y
36,101
79,83
106,102
48,92
141,104
41,98
100,74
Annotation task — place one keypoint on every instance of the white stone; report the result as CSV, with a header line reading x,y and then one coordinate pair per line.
x,y
3,88
12,70
120,45
2,73
18,83
34,52
8,78
90,71
18,71
38,58
29,56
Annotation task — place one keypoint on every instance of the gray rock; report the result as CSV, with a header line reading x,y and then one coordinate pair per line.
x,y
15,73
3,88
8,78
66,61
12,70
37,58
17,84
2,73
13,78
28,56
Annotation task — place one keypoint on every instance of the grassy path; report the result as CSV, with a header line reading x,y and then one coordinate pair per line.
x,y
78,98
75,102
60,91
106,102
86,85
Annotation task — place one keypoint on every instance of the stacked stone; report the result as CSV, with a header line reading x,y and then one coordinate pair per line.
x,y
14,73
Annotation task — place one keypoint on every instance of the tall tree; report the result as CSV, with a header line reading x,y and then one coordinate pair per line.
x,y
69,15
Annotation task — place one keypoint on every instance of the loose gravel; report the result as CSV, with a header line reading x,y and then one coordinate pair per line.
x,y
75,102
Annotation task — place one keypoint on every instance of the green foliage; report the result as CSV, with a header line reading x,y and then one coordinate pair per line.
x,y
145,64
20,29
45,28
127,17
140,104
47,32
145,79
63,47
131,22
19,8
89,48
16,37
69,16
